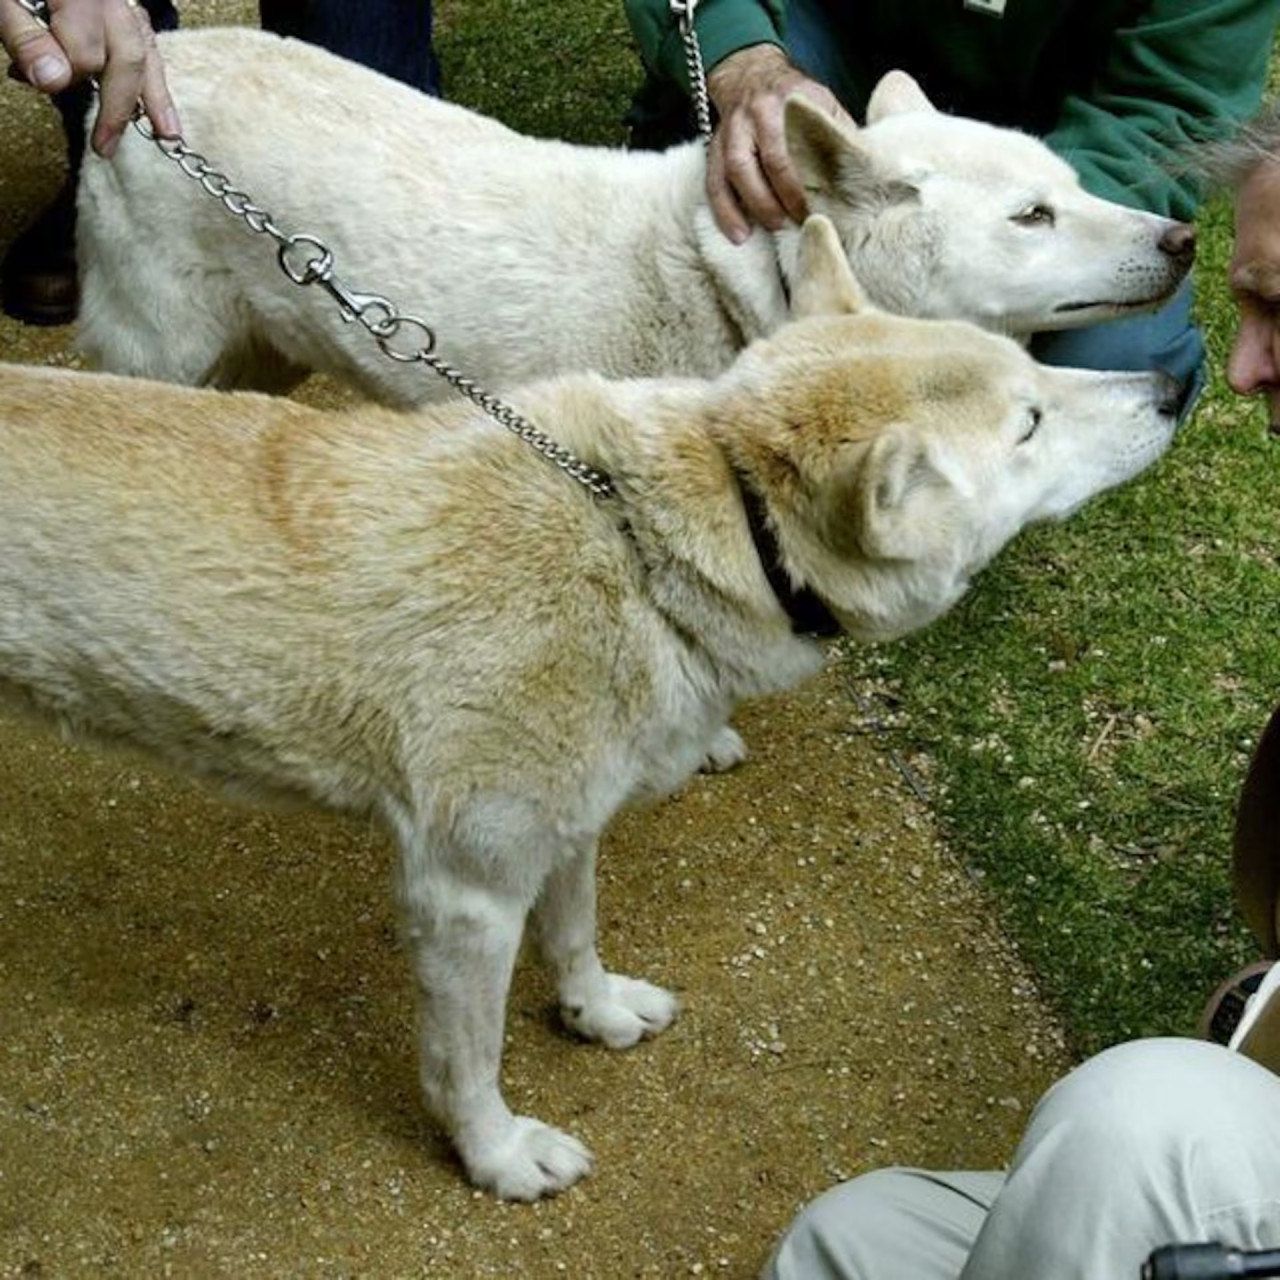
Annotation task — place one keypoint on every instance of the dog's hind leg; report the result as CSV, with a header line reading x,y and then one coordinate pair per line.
x,y
197,338
594,1003
150,307
463,931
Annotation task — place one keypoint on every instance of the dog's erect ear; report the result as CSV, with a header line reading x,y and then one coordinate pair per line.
x,y
898,467
824,283
832,160
872,507
895,94
826,154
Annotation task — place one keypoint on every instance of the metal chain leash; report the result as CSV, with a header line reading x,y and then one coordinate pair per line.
x,y
684,11
307,260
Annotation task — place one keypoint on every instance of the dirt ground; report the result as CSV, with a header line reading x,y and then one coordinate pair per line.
x,y
205,1041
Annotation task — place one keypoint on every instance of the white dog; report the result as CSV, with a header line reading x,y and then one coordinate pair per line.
x,y
530,257
414,615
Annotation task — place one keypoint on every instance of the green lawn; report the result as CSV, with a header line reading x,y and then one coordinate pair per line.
x,y
557,70
1084,718
1089,710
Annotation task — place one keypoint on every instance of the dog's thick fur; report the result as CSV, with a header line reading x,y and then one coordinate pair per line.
x,y
531,257
413,615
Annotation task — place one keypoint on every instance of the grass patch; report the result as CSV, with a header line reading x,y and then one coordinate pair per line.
x,y
1088,712
557,71
1086,715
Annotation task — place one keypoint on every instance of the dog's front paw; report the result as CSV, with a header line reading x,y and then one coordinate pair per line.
x,y
727,750
626,1012
530,1161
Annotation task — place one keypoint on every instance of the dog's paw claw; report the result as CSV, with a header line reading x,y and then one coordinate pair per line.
x,y
727,751
630,1011
532,1161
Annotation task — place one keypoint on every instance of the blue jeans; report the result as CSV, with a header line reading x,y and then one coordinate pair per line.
x,y
390,36
1168,340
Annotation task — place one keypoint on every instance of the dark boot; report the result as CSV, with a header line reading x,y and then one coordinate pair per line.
x,y
38,274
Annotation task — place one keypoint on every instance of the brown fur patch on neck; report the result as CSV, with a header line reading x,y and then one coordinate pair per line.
x,y
791,436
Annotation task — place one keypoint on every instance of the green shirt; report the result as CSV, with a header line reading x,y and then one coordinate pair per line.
x,y
1114,86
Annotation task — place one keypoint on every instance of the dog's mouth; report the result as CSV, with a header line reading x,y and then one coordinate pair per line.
x,y
1112,307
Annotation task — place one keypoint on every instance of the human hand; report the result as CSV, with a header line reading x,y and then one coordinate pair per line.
x,y
109,38
750,177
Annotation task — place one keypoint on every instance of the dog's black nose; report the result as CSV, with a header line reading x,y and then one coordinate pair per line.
x,y
1171,394
1179,241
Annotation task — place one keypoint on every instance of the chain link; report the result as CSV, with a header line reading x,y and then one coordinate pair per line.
x,y
307,260
684,12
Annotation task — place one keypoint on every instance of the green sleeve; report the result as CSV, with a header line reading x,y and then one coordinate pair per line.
x,y
1179,72
723,26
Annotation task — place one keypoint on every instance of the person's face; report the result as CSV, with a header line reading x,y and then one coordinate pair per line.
x,y
1254,364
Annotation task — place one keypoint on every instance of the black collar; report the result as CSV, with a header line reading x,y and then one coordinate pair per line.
x,y
809,616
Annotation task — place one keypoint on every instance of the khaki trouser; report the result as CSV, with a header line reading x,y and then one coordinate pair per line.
x,y
1150,1143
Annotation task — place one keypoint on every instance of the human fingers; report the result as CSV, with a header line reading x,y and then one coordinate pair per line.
x,y
79,27
37,56
123,70
720,195
125,80
774,160
156,99
740,143
750,89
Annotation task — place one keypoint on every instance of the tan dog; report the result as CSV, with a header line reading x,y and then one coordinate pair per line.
x,y
413,615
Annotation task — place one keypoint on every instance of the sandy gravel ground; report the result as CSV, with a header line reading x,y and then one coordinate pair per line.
x,y
205,1052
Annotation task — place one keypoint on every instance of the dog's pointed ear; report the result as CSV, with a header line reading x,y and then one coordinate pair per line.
x,y
873,508
824,283
831,159
898,468
895,94
826,153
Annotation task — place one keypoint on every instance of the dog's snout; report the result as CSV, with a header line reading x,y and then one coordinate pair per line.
x,y
1179,241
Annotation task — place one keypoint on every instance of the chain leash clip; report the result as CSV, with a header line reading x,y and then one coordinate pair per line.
x,y
317,268
306,260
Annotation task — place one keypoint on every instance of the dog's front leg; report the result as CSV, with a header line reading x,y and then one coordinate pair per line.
x,y
597,1005
464,938
726,752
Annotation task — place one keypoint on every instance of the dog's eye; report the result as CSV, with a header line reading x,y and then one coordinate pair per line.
x,y
1033,421
1035,215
